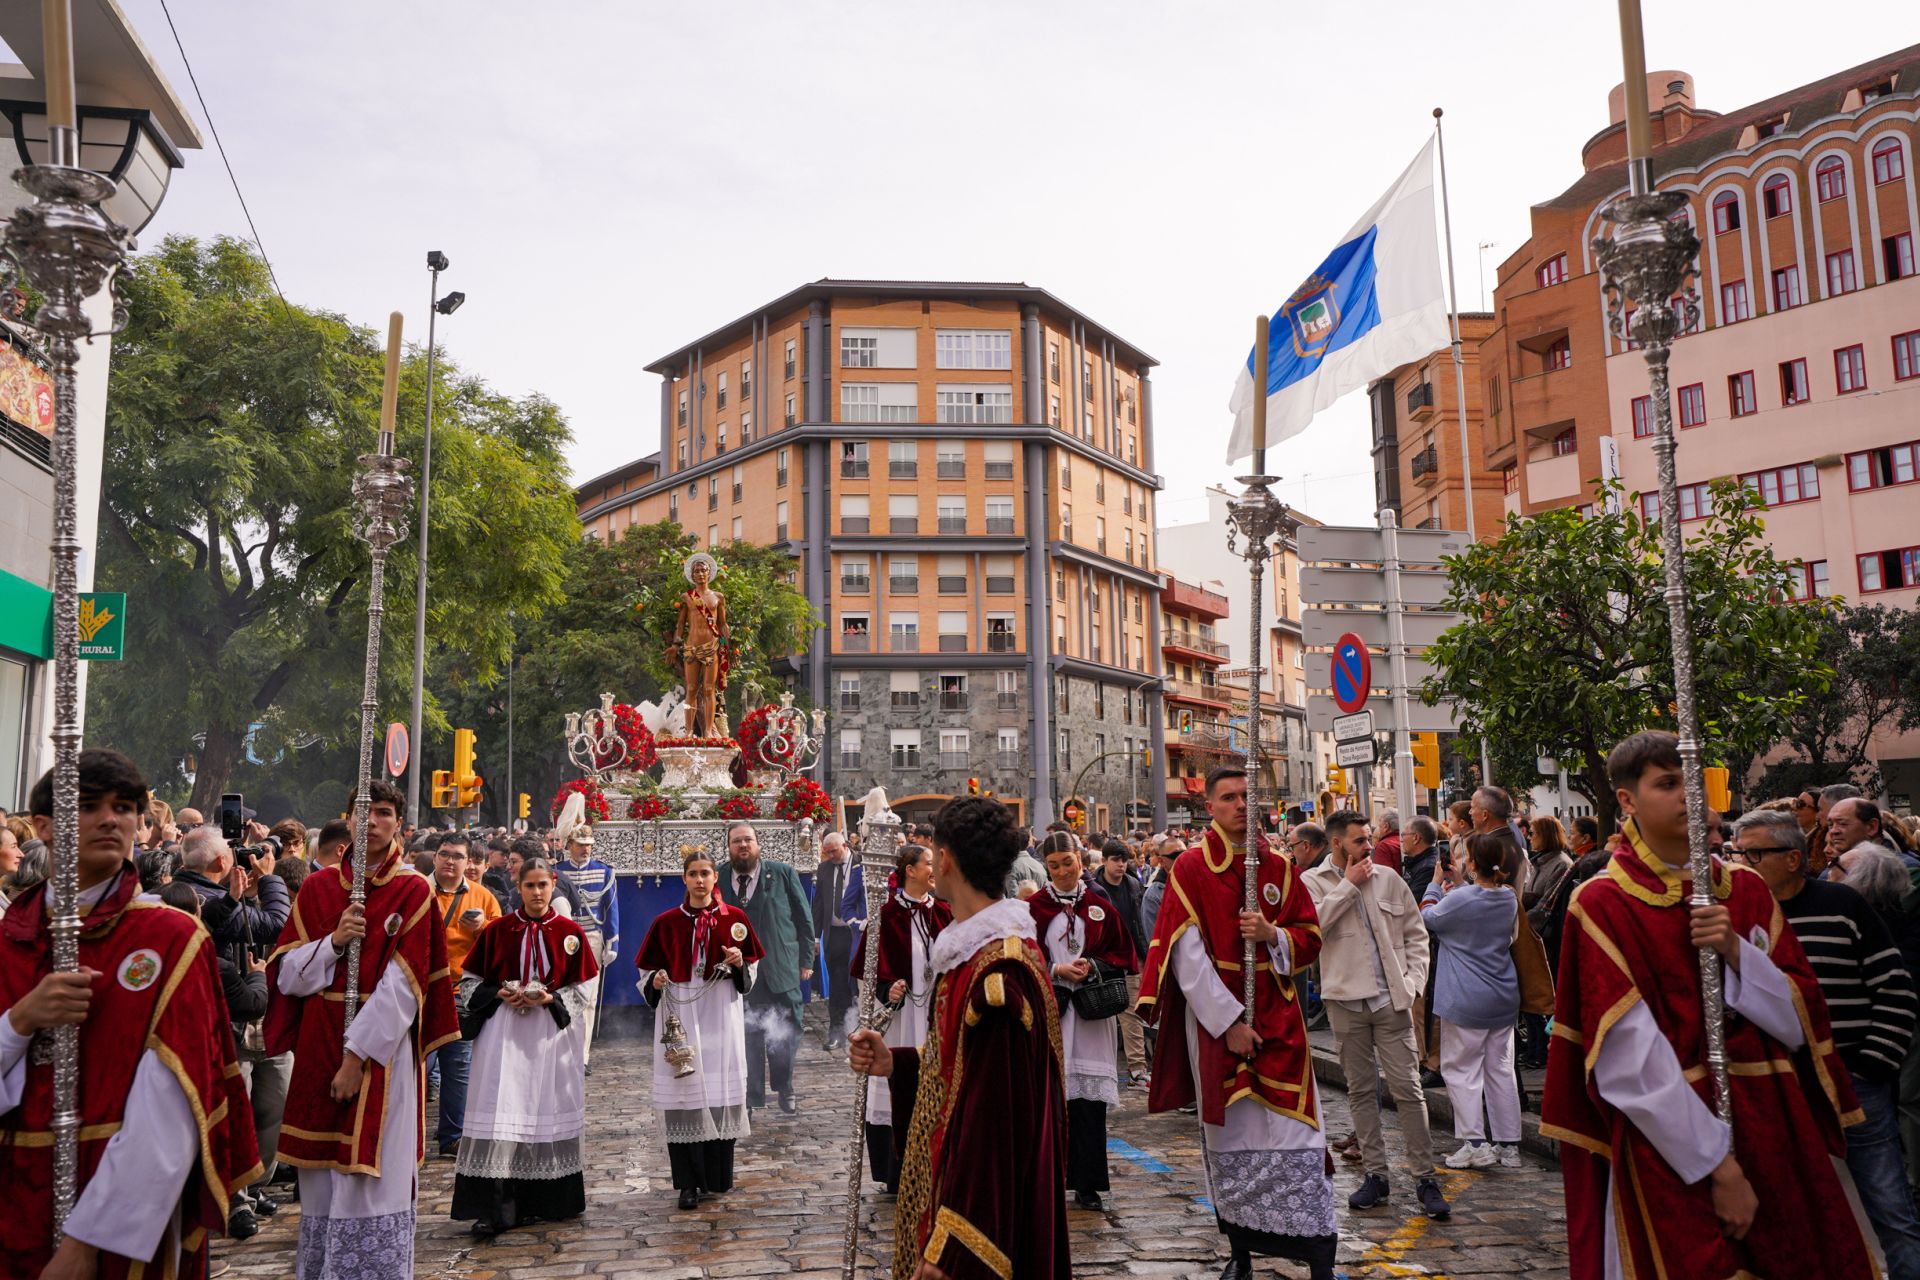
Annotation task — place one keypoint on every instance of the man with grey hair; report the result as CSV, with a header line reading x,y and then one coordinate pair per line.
x,y
237,904
835,931
1386,848
1870,998
1879,876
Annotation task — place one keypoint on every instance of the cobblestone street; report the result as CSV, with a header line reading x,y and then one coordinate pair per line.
x,y
785,1215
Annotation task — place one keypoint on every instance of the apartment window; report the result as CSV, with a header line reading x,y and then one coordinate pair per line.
x,y
1099,488
1786,288
1850,369
1066,471
790,346
1693,405
855,579
1140,597
1053,363
999,515
1000,575
790,418
736,528
1906,356
849,748
1066,521
951,511
903,575
1553,272
950,573
849,699
780,468
1642,417
1059,583
720,438
1006,747
1510,481
1740,398
859,353
1100,752
780,522
1128,543
1733,302
746,426
856,632
879,402
1809,579
683,455
1896,256
953,630
1878,468
1776,196
1726,212
1841,277
1890,570
673,507
739,478
713,535
903,459
713,493
973,349
984,405
1793,382
746,378
854,512
1053,411
903,632
954,748
1696,501
1560,354
1566,443
1066,750
999,458
1100,534
906,748
1888,164
903,689
903,513
1086,424
1086,378
1000,633
853,459
1006,692
720,392
1830,179
950,460
1779,486
683,408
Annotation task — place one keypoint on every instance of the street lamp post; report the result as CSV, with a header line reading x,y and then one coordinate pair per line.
x,y
1648,266
436,263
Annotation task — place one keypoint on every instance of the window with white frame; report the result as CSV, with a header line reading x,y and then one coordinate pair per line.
x,y
850,748
999,515
903,513
973,349
954,745
879,402
999,459
974,404
903,632
952,512
855,510
903,688
877,348
906,748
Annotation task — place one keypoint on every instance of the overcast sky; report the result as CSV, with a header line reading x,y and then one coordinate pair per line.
x,y
613,179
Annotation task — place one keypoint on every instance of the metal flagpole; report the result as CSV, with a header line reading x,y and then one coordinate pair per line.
x,y
434,262
63,246
877,834
384,493
1254,518
1648,267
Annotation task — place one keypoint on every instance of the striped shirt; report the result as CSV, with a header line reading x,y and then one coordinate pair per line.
x,y
1870,996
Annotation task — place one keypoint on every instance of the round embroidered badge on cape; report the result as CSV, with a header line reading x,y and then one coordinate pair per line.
x,y
393,924
139,970
571,946
739,931
1760,940
1271,892
1096,914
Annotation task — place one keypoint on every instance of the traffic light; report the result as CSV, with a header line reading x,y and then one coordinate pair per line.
x,y
442,789
1336,779
526,804
462,755
1719,796
1426,760
1146,757
973,786
1075,814
467,792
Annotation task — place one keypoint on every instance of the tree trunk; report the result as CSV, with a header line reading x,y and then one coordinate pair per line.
x,y
1606,806
216,763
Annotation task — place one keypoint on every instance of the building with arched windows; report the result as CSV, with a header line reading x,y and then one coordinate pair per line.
x,y
1802,377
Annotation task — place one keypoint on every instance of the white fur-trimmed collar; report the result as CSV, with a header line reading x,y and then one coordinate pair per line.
x,y
959,941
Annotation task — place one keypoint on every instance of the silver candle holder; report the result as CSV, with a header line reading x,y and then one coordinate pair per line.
x,y
879,837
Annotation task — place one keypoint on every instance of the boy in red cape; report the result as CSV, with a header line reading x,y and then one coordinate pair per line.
x,y
1656,1183
166,1134
1259,1112
353,1123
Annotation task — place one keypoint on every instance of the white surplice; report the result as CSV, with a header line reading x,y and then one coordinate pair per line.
x,y
526,1095
1086,1048
710,1104
355,1226
908,1030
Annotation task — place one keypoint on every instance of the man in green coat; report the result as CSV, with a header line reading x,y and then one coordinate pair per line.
x,y
776,904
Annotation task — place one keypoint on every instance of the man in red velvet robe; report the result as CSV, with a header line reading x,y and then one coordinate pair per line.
x,y
974,1205
166,1135
353,1122
1656,1183
1259,1112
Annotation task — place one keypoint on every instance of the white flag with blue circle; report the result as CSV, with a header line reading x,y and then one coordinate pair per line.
x,y
1376,303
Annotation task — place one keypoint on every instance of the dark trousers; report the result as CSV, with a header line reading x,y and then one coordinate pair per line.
x,y
838,946
881,1161
773,1033
454,1058
701,1166
1086,1145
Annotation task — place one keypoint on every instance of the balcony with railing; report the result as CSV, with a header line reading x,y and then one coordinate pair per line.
x,y
903,584
1008,760
1000,524
853,468
856,642
903,524
953,759
1202,736
1196,691
1006,699
780,474
1184,597
999,471
1426,463
849,759
999,584
903,641
780,532
952,643
855,584
898,470
952,584
738,488
955,699
855,524
904,699
953,524
1194,642
951,469
1420,401
1002,642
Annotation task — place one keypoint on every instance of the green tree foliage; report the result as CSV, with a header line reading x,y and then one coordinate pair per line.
x,y
233,425
1566,648
1872,651
608,635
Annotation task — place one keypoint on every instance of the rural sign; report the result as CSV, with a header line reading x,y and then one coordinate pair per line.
x,y
103,625
1352,673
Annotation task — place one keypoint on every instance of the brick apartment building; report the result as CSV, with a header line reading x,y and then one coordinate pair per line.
x,y
1416,439
963,474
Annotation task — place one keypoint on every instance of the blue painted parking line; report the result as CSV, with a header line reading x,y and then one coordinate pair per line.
x,y
1135,1156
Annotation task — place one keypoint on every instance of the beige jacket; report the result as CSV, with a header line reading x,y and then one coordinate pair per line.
x,y
1388,908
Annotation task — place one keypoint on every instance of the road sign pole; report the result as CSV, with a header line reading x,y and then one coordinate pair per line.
x,y
1397,663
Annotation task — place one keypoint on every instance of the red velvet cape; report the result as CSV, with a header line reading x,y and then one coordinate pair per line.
x,y
496,953
1103,936
1627,943
972,1203
403,929
159,989
669,942
1206,892
896,941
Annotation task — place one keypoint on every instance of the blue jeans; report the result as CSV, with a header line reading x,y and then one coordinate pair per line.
x,y
453,1059
1880,1172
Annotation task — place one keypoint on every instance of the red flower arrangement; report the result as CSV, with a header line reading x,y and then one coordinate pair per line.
x,y
639,739
596,802
648,807
740,806
803,798
697,742
754,733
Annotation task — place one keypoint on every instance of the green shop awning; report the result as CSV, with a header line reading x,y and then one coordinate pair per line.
x,y
26,617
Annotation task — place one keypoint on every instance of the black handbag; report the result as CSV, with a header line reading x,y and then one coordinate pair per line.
x,y
1103,996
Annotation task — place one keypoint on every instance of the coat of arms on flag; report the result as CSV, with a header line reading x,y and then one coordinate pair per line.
x,y
1314,313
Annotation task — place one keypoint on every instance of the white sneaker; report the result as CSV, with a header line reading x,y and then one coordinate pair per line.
x,y
1508,1154
1470,1156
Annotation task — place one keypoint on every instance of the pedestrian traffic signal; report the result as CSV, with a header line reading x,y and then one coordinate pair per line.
x,y
442,789
526,804
1336,779
1426,760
